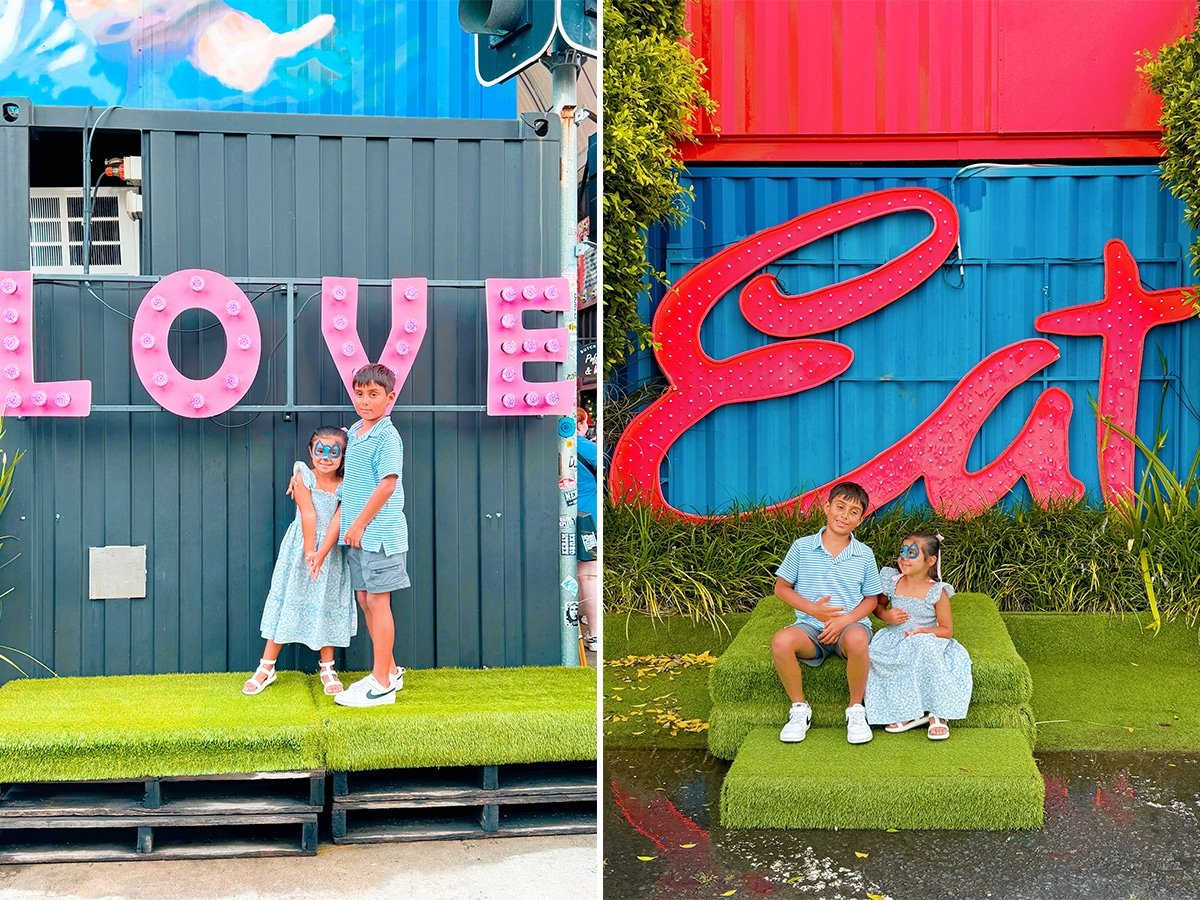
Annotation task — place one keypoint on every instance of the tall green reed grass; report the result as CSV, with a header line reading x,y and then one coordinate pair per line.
x,y
1068,557
7,469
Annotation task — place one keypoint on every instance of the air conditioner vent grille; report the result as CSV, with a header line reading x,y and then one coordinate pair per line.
x,y
56,232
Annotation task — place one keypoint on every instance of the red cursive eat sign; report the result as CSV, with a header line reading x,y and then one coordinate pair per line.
x,y
937,448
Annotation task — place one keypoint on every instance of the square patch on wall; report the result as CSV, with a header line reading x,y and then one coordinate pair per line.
x,y
116,572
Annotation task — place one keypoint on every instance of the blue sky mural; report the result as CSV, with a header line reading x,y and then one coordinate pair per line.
x,y
342,57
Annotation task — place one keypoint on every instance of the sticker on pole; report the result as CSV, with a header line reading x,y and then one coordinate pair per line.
x,y
566,544
571,614
570,585
565,484
566,427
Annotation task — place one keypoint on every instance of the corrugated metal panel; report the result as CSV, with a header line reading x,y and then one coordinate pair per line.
x,y
394,58
1032,240
883,80
207,497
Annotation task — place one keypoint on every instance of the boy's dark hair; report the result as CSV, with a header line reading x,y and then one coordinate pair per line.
x,y
337,434
850,491
376,374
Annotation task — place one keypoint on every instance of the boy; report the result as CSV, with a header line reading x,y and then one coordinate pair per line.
x,y
831,580
373,527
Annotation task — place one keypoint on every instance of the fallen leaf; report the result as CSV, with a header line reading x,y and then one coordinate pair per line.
x,y
893,830
1129,728
1135,664
966,769
795,880
647,858
860,854
686,846
729,893
875,896
1172,765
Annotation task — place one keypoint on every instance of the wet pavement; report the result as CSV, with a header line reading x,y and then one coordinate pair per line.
x,y
1119,826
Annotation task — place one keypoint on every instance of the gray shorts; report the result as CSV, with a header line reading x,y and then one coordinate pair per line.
x,y
375,571
826,650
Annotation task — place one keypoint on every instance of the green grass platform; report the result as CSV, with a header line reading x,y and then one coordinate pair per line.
x,y
746,670
746,692
978,779
466,717
140,726
136,726
1105,683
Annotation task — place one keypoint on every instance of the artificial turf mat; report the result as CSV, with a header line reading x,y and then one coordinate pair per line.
x,y
1105,683
981,778
657,701
134,726
746,671
463,717
730,723
630,634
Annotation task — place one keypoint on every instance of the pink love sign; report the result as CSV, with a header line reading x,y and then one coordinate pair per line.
x,y
193,398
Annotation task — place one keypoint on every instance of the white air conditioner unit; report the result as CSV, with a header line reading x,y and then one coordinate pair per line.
x,y
56,232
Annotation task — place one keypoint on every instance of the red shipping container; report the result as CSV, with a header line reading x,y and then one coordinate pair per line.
x,y
888,80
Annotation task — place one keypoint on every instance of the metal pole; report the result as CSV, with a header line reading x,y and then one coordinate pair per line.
x,y
564,67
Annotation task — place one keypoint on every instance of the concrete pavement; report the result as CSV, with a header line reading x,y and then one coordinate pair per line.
x,y
562,867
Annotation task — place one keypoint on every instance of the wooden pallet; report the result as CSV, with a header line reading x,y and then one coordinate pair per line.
x,y
186,817
464,802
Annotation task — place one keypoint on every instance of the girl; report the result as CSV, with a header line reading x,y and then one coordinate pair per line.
x,y
309,603
918,672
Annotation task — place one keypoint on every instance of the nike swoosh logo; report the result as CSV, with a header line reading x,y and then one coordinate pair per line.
x,y
371,695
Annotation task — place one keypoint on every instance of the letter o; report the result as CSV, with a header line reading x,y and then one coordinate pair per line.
x,y
216,294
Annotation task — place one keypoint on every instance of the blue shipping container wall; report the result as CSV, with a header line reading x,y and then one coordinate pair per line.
x,y
1032,241
281,202
336,57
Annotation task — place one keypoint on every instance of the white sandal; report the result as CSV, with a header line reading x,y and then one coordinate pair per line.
x,y
329,678
943,726
252,687
898,727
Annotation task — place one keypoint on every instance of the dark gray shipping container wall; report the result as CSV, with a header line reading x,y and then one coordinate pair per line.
x,y
276,202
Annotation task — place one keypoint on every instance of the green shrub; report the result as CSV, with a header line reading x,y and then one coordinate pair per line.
x,y
652,90
1175,77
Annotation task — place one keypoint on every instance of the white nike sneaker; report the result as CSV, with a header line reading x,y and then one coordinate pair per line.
x,y
857,729
366,692
797,725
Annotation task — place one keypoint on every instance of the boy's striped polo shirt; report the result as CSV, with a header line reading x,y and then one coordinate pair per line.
x,y
813,572
369,459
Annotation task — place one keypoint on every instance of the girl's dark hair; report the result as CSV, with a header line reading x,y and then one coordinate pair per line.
x,y
332,431
931,545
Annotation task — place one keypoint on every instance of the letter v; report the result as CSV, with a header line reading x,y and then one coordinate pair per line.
x,y
339,325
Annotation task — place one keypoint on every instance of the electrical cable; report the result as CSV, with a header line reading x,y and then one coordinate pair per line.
x,y
87,285
88,197
270,362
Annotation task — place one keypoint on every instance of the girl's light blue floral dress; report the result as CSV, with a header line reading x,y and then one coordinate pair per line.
x,y
302,611
924,673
